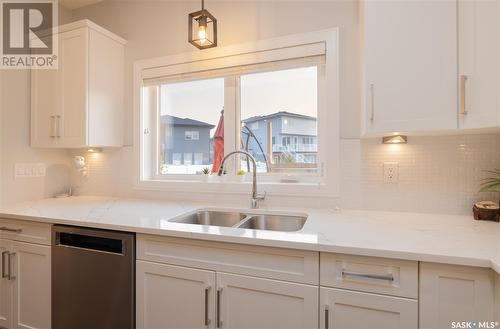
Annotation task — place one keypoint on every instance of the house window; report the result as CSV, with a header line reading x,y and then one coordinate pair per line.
x,y
176,159
198,159
188,159
191,135
278,101
288,99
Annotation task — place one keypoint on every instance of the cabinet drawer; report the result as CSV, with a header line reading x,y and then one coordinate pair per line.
x,y
274,263
25,231
370,274
342,309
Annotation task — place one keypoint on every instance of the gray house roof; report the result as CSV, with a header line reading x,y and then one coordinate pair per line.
x,y
176,121
278,114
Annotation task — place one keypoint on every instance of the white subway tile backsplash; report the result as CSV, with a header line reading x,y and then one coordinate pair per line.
x,y
439,174
436,174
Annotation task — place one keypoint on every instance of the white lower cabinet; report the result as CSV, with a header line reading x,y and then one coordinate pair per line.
x,y
450,293
31,285
185,283
174,297
248,302
5,287
24,285
351,309
180,297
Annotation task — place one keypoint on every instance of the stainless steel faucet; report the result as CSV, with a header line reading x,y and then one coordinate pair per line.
x,y
255,196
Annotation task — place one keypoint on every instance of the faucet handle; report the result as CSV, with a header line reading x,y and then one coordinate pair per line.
x,y
261,196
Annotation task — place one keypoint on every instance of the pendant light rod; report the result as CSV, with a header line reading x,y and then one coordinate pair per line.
x,y
202,4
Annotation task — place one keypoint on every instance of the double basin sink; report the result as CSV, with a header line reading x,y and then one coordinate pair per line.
x,y
248,220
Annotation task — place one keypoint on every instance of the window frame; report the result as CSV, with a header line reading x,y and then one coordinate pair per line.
x,y
217,59
192,133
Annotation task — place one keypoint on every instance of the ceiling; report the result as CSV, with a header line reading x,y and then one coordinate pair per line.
x,y
74,4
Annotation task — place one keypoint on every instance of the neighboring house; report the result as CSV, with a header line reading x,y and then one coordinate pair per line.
x,y
185,141
293,137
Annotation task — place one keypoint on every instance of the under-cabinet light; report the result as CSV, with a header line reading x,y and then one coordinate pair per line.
x,y
396,139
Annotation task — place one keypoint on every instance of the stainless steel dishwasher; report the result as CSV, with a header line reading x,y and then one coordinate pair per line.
x,y
93,278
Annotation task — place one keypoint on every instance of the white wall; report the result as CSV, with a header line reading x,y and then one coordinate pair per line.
x,y
159,28
15,148
437,174
14,141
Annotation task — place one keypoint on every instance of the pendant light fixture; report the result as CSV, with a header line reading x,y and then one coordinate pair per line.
x,y
202,28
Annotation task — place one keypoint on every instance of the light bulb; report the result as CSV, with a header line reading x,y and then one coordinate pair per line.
x,y
202,34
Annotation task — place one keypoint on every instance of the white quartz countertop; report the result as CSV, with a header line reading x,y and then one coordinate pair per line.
x,y
438,238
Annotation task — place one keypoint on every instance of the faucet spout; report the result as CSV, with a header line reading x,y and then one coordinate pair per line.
x,y
255,196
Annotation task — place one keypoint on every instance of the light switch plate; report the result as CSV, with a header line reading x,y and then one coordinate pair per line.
x,y
28,170
391,172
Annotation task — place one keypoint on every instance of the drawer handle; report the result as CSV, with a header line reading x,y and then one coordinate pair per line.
x,y
10,276
388,277
207,320
463,85
4,253
327,317
372,102
219,322
14,230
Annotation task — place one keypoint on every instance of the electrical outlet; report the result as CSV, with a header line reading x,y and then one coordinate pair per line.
x,y
26,170
391,172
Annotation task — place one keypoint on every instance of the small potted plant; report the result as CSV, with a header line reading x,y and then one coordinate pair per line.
x,y
489,210
205,173
241,174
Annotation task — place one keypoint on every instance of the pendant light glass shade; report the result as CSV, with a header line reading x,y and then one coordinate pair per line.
x,y
202,29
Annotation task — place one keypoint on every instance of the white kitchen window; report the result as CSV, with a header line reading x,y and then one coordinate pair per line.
x,y
272,103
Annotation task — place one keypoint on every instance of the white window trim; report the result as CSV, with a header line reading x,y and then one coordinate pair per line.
x,y
276,49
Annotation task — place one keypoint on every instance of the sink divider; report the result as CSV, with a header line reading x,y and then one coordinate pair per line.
x,y
244,220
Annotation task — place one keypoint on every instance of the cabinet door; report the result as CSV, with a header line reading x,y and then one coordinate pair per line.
x,y
5,286
451,293
410,66
479,63
45,106
174,297
30,268
351,309
247,302
73,81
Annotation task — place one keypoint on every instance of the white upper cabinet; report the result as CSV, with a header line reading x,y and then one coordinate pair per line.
x,y
81,103
479,64
410,50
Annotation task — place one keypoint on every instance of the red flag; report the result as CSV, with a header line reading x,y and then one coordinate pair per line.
x,y
218,144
